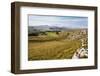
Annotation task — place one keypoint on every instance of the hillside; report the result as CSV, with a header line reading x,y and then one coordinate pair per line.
x,y
53,45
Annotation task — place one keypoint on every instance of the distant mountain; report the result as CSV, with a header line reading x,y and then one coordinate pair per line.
x,y
40,28
43,28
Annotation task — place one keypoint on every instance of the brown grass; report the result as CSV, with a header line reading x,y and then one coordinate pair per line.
x,y
52,46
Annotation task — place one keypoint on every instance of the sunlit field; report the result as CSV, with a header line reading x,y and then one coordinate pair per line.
x,y
55,45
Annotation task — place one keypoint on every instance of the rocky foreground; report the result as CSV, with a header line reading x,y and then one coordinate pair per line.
x,y
80,53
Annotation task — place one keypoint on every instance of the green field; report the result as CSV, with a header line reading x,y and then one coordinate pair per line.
x,y
54,46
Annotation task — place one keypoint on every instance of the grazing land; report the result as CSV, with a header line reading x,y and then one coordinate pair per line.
x,y
50,45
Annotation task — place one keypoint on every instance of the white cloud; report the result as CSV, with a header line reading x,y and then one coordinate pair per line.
x,y
35,20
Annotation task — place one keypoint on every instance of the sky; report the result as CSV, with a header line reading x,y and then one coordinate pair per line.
x,y
60,21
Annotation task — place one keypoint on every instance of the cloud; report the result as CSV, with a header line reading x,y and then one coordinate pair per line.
x,y
66,21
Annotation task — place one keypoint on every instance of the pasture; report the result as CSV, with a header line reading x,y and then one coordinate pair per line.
x,y
54,45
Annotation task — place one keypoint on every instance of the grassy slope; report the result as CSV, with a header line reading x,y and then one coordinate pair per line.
x,y
54,49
